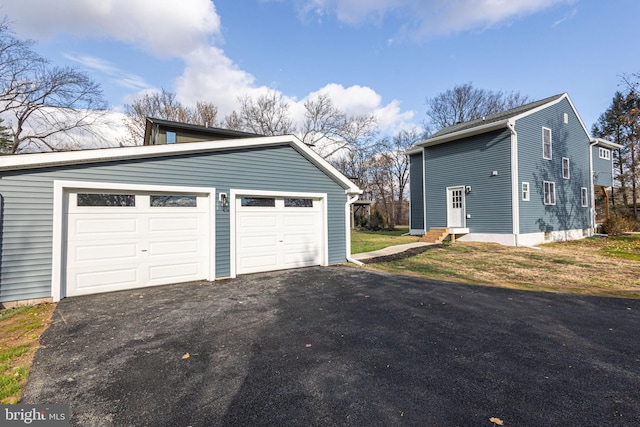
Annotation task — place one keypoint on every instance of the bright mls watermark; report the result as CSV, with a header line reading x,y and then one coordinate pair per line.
x,y
34,415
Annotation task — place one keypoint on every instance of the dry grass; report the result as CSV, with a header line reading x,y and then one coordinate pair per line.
x,y
590,266
21,329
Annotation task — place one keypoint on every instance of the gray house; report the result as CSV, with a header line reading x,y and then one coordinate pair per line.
x,y
520,177
82,222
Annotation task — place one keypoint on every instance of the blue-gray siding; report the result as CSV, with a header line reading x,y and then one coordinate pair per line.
x,y
602,168
568,140
416,192
27,203
470,162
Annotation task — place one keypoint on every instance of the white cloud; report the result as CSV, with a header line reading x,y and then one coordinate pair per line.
x,y
162,27
428,18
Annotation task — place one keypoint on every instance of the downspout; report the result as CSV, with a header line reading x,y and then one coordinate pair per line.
x,y
347,226
515,193
592,210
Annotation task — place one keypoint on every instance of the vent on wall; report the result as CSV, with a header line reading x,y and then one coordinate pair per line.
x,y
566,118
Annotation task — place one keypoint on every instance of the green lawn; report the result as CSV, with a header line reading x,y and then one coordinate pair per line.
x,y
367,241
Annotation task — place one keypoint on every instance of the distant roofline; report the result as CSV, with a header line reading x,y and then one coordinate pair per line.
x,y
197,128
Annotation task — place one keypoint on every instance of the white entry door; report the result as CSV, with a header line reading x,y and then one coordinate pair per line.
x,y
275,233
455,207
124,240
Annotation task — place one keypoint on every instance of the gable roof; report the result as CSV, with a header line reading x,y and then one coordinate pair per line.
x,y
507,114
53,159
493,122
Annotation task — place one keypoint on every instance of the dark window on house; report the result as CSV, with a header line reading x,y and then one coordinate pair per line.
x,y
584,197
88,199
549,193
174,201
566,174
266,202
546,143
171,137
298,203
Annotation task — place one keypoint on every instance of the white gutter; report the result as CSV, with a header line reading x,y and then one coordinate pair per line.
x,y
463,133
347,226
515,193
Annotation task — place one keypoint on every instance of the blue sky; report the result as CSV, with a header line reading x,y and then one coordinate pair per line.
x,y
378,56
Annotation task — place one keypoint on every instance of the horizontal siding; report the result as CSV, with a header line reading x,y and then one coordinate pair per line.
x,y
27,203
470,161
602,169
568,140
416,192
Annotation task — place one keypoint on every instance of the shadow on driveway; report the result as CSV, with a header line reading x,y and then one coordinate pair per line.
x,y
340,346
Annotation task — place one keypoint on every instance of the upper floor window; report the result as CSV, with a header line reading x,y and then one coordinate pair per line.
x,y
546,143
171,137
565,168
525,192
549,193
604,153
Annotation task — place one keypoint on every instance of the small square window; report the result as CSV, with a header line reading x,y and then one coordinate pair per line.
x,y
549,193
584,197
566,174
565,118
546,143
525,192
171,137
604,153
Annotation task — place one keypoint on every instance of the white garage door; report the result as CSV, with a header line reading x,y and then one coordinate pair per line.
x,y
274,233
118,241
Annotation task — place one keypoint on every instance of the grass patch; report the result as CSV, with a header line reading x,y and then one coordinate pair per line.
x,y
21,328
594,266
367,241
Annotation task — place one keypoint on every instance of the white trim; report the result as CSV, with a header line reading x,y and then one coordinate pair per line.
x,y
464,205
552,185
60,197
465,133
526,239
607,144
424,192
347,222
568,170
550,143
526,198
41,160
235,192
604,153
515,178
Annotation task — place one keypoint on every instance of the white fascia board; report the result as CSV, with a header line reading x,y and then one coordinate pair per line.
x,y
42,160
477,130
414,150
605,143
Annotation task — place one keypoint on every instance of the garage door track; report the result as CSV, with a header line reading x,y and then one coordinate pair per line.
x,y
340,346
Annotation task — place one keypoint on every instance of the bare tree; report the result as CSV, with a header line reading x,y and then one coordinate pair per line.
x,y
43,101
164,105
465,102
323,121
267,114
233,121
399,164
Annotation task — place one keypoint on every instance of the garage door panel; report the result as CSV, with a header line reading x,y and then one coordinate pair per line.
x,y
301,259
256,263
105,251
254,220
175,272
180,224
106,280
103,226
301,220
174,248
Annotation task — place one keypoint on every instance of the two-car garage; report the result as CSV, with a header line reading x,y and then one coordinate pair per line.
x,y
118,237
77,223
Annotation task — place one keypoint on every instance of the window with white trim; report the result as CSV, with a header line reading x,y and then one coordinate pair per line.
x,y
171,137
584,197
604,153
549,193
525,192
546,143
566,174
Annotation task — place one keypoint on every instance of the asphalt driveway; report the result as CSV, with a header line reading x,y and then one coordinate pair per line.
x,y
340,346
